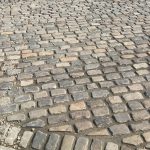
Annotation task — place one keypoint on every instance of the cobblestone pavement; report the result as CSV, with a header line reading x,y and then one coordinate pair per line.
x,y
75,75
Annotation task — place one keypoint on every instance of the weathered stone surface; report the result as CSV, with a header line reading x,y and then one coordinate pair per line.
x,y
83,125
119,129
100,111
17,117
35,123
133,140
68,142
112,146
12,135
58,109
54,119
96,144
53,142
6,148
78,106
100,93
25,139
39,140
82,143
146,136
140,115
38,113
62,128
132,96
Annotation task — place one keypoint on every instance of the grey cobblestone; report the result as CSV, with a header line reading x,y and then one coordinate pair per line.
x,y
53,142
39,140
82,144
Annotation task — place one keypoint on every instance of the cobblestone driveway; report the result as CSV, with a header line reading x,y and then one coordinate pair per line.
x,y
75,75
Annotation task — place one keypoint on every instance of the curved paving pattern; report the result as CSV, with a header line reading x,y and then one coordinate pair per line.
x,y
75,75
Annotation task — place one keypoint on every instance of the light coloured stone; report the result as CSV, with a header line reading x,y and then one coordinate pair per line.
x,y
58,109
26,82
146,136
6,148
78,106
67,128
133,140
111,146
12,135
27,135
68,142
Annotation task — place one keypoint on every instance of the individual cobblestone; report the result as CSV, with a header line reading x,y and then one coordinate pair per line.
x,y
27,135
111,145
39,140
82,143
133,140
53,142
68,142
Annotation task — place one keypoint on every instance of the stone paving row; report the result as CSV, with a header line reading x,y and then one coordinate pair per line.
x,y
75,75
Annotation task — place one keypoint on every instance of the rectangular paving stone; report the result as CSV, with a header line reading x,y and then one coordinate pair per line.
x,y
6,148
53,119
5,101
40,94
115,99
119,89
133,140
146,136
135,105
62,128
84,114
76,88
39,140
83,125
58,92
58,109
120,107
120,129
37,113
103,121
9,109
96,144
22,98
25,139
122,117
82,143
68,142
80,96
112,146
17,117
61,77
12,135
49,86
144,125
66,83
77,106
113,76
47,101
100,111
53,142
140,115
100,93
28,105
133,96
61,99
